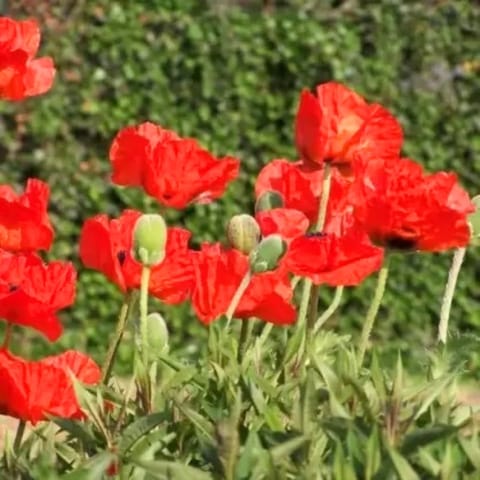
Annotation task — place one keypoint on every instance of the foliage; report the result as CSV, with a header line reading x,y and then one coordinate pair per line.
x,y
230,77
260,417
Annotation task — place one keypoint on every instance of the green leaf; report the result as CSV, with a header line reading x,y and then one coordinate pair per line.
x,y
402,467
248,458
425,436
471,449
93,469
163,470
198,420
426,460
138,429
342,467
372,454
432,392
78,430
284,450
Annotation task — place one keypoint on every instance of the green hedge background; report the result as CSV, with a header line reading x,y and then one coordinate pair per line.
x,y
229,74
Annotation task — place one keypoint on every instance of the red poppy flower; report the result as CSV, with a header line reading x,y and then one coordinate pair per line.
x,y
345,259
218,273
288,223
32,292
132,148
301,187
31,391
106,246
336,125
24,223
174,170
21,75
402,207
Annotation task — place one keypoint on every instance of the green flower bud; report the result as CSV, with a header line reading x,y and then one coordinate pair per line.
x,y
243,233
267,254
149,239
157,335
268,201
474,220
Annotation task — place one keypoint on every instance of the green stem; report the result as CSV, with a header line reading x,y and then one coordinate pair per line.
x,y
144,281
372,311
337,298
19,435
321,220
238,296
457,261
245,333
7,337
123,317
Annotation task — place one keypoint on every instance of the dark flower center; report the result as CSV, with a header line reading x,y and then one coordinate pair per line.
x,y
315,234
121,256
12,287
400,243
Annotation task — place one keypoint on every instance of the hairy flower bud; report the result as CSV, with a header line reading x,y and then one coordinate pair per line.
x,y
267,254
157,335
149,239
474,220
268,201
243,233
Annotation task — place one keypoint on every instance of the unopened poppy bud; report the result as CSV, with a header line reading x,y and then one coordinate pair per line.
x,y
268,201
149,239
243,233
474,220
267,254
157,335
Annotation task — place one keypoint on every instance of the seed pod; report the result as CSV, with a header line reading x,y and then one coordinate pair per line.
x,y
267,254
157,335
243,233
149,239
268,201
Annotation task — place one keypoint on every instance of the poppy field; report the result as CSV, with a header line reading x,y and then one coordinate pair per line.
x,y
269,390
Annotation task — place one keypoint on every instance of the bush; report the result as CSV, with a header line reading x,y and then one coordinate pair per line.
x,y
230,77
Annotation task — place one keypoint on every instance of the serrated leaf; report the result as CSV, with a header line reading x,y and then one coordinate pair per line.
x,y
198,420
426,460
472,450
373,455
78,430
342,467
93,469
138,429
432,392
425,436
401,465
248,458
163,470
377,377
285,449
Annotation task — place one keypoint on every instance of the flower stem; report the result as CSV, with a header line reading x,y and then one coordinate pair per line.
x,y
457,261
372,311
238,296
245,333
7,337
321,219
123,317
19,435
145,280
337,298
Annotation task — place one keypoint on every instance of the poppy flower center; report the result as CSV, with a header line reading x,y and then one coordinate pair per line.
x,y
121,256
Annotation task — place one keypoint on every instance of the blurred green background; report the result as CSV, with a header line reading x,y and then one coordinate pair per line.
x,y
229,73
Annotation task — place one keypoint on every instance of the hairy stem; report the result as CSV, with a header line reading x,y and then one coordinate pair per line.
x,y
145,280
372,311
123,317
457,262
337,298
238,296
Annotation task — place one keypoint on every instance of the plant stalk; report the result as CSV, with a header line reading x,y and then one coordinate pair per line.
x,y
123,318
337,298
19,435
238,296
373,311
144,282
453,273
